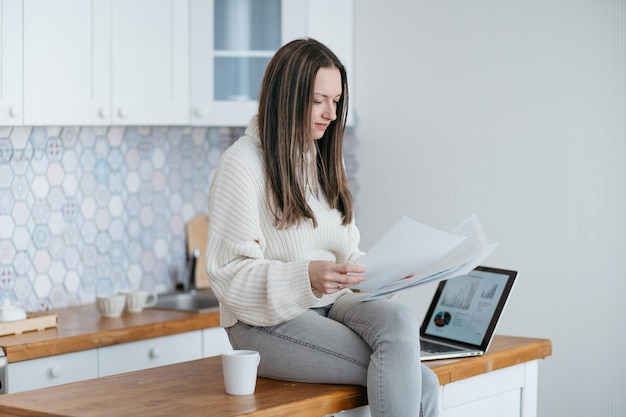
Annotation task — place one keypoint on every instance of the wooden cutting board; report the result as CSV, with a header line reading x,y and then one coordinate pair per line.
x,y
29,324
197,230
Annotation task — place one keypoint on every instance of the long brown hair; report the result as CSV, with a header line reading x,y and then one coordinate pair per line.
x,y
285,104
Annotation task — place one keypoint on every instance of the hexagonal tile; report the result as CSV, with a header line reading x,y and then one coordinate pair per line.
x,y
145,170
40,186
88,231
54,148
103,242
41,236
20,213
70,185
146,216
22,288
7,251
71,282
101,146
56,198
133,182
116,230
57,272
42,285
55,174
135,251
40,211
103,267
20,188
6,276
103,219
90,256
102,195
115,136
69,135
56,223
71,257
118,277
88,208
42,261
161,249
135,275
71,233
21,240
57,247
58,297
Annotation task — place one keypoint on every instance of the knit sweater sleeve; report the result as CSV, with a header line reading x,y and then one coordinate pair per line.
x,y
250,288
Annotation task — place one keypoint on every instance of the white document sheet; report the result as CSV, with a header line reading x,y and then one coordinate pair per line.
x,y
411,248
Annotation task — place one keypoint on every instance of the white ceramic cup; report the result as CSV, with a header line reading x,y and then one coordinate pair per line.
x,y
240,367
111,305
137,300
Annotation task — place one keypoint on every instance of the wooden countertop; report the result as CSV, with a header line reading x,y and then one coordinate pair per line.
x,y
196,388
82,328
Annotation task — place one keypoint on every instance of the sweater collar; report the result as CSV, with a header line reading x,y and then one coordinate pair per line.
x,y
252,130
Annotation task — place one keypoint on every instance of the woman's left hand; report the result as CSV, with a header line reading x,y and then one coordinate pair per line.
x,y
329,277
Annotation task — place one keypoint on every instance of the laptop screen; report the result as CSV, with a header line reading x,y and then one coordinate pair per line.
x,y
466,309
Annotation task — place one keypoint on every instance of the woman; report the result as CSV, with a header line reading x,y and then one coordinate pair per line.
x,y
283,246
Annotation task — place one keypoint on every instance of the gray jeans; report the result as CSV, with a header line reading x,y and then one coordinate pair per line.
x,y
373,344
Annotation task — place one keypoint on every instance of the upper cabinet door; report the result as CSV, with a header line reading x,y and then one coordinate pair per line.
x,y
11,109
150,53
67,71
232,41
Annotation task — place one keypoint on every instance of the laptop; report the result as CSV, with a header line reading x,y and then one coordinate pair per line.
x,y
464,313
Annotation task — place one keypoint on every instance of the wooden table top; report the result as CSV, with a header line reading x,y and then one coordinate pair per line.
x,y
196,388
82,328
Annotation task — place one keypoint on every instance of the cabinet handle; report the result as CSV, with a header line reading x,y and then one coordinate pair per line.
x,y
199,111
103,113
121,112
154,353
14,112
55,371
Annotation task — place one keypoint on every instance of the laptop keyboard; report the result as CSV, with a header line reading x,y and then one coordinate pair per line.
x,y
435,347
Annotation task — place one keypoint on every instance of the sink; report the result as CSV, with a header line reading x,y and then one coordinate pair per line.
x,y
197,301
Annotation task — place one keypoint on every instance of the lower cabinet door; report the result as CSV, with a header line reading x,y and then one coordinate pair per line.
x,y
149,353
215,341
52,370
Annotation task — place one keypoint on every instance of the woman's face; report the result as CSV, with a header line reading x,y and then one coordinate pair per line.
x,y
326,95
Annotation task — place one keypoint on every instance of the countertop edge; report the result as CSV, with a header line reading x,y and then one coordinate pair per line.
x,y
17,352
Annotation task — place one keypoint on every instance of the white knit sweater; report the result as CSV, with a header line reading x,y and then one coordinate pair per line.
x,y
258,272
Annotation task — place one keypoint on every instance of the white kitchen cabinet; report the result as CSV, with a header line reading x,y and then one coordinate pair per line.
x,y
52,370
106,62
150,62
67,62
506,392
11,108
214,342
231,42
149,353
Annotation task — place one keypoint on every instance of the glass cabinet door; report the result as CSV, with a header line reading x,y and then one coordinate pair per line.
x,y
232,41
247,34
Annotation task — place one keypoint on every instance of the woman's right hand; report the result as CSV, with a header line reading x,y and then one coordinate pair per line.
x,y
329,277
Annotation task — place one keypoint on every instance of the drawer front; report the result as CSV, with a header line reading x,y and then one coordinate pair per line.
x,y
215,341
149,353
506,404
52,370
482,386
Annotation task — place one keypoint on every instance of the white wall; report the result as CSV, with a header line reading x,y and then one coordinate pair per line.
x,y
515,111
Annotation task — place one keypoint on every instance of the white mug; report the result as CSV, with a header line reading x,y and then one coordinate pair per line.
x,y
111,305
137,300
240,371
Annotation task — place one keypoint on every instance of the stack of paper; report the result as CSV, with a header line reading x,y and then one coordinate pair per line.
x,y
425,254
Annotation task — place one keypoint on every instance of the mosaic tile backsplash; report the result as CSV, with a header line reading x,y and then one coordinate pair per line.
x,y
89,210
